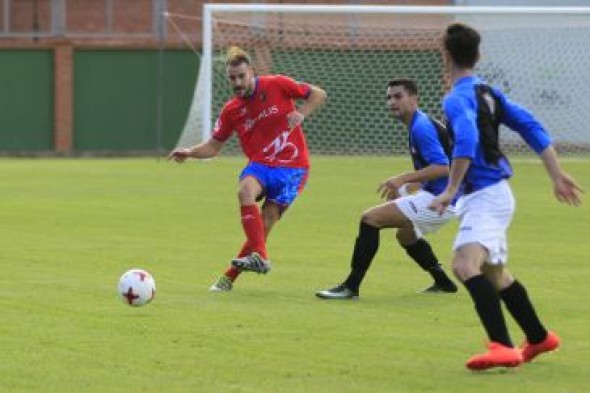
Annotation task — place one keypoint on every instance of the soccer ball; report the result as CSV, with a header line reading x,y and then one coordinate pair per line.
x,y
136,287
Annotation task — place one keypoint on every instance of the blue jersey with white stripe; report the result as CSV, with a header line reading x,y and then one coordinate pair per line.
x,y
461,109
424,143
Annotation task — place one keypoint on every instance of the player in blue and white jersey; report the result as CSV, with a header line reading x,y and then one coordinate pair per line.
x,y
409,214
480,169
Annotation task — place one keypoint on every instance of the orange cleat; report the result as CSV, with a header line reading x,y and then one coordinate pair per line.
x,y
531,351
497,355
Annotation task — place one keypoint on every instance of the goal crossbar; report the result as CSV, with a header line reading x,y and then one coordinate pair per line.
x,y
209,10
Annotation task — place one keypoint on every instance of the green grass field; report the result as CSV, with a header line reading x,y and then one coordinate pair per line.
x,y
69,228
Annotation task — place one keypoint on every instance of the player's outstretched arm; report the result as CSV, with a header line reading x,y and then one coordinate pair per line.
x,y
207,149
565,188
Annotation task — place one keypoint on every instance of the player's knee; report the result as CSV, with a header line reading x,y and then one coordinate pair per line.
x,y
369,218
459,272
464,269
246,195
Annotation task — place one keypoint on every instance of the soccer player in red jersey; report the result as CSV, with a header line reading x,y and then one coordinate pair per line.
x,y
268,125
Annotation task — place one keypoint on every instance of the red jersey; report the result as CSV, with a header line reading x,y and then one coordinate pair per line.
x,y
260,122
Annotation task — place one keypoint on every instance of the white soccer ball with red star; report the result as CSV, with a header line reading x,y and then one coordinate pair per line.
x,y
136,287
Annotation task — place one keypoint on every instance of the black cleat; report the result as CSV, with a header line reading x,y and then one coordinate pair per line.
x,y
341,292
252,263
449,287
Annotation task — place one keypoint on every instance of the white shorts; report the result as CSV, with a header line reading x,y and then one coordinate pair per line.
x,y
484,217
415,208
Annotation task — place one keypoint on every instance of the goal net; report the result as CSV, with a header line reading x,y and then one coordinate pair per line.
x,y
538,56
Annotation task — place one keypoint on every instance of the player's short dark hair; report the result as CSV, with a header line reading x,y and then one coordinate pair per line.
x,y
408,84
462,43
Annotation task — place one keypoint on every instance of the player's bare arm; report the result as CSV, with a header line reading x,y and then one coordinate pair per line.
x,y
390,188
564,186
207,149
316,98
458,170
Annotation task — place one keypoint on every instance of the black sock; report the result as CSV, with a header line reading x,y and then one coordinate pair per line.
x,y
422,254
365,248
487,305
519,305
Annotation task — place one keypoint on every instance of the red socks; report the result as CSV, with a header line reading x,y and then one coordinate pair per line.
x,y
254,229
232,273
255,238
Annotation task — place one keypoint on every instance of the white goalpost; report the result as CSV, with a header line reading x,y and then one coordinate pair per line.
x,y
539,56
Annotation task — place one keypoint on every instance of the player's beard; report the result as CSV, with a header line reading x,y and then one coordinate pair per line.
x,y
242,92
239,91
